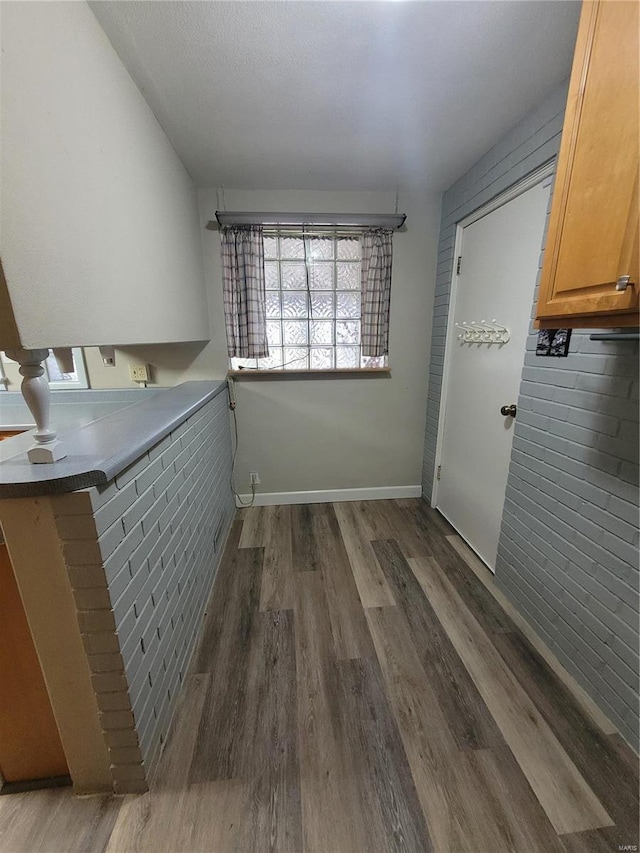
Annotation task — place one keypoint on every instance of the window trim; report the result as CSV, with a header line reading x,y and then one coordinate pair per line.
x,y
250,371
4,380
309,373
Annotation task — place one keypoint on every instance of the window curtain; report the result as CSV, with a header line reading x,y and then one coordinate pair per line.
x,y
244,292
376,292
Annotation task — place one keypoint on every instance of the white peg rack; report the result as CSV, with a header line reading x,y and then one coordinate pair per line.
x,y
482,332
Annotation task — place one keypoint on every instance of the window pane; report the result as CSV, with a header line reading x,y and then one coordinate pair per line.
x,y
321,358
322,305
270,247
273,361
313,304
296,358
321,332
271,275
322,276
294,305
347,356
294,276
273,304
296,332
54,373
348,249
348,305
348,276
237,363
348,332
291,247
319,247
274,333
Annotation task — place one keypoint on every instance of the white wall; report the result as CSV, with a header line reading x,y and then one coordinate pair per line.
x,y
169,365
100,236
317,433
336,433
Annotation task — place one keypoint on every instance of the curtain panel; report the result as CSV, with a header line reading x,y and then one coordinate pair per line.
x,y
244,292
377,250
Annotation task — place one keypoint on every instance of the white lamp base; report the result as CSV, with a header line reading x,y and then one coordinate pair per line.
x,y
49,452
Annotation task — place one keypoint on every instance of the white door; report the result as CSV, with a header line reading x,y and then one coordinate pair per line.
x,y
500,253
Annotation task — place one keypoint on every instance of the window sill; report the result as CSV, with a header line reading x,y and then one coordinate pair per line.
x,y
332,373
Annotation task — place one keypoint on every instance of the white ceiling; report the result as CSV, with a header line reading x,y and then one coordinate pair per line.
x,y
327,94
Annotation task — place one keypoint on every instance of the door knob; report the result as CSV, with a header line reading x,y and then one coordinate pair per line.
x,y
509,411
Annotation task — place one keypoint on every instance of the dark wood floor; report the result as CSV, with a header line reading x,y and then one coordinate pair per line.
x,y
358,688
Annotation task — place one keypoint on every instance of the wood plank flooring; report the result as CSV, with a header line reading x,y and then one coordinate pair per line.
x,y
358,689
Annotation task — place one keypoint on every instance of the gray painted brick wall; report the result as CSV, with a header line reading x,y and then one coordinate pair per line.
x,y
160,560
533,142
568,551
142,553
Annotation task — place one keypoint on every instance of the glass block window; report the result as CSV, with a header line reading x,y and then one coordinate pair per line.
x,y
313,304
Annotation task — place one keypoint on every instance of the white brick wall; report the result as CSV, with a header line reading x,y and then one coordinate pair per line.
x,y
142,553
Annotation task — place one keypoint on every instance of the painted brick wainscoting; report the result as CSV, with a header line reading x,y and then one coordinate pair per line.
x,y
568,552
142,554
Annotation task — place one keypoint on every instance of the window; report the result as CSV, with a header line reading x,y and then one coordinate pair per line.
x,y
312,303
76,379
10,378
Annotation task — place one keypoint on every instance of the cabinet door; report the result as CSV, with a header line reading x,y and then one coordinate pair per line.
x,y
593,228
30,746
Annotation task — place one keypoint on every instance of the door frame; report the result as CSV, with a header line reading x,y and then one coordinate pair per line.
x,y
542,173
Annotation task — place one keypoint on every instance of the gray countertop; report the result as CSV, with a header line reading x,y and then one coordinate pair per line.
x,y
102,433
69,408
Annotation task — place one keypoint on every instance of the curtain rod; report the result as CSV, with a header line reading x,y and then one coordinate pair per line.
x,y
318,220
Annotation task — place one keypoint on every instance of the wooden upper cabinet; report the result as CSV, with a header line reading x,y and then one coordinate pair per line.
x,y
592,241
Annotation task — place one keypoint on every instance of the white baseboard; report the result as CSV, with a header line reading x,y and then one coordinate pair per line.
x,y
330,495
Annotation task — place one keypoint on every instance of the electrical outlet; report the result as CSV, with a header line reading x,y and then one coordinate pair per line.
x,y
254,478
139,372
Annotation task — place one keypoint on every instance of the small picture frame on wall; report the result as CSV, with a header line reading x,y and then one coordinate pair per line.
x,y
553,343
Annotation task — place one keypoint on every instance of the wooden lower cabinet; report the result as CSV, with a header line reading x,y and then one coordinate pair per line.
x,y
30,746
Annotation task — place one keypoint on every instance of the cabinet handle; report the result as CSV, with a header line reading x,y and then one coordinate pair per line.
x,y
623,282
